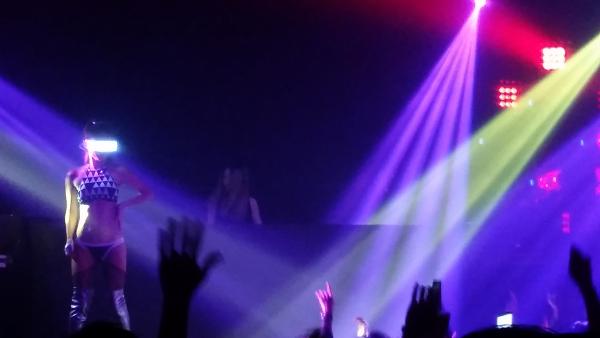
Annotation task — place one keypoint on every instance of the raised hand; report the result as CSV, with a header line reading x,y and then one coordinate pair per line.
x,y
425,316
362,329
580,268
180,273
581,271
325,298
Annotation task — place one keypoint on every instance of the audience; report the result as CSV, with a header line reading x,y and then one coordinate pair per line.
x,y
426,318
181,275
581,272
325,298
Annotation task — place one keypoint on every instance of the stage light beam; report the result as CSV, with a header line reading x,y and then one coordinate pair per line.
x,y
511,141
479,4
507,96
427,130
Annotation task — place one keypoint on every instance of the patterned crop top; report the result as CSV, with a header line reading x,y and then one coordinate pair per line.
x,y
97,184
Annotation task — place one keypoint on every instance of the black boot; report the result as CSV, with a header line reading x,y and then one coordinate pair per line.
x,y
80,304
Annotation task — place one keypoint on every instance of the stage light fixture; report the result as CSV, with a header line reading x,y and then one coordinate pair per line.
x,y
549,181
553,58
507,94
565,218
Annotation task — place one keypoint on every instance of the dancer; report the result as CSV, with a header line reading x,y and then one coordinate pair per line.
x,y
231,203
93,222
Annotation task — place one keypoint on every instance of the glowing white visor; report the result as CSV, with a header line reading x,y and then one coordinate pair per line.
x,y
101,146
504,320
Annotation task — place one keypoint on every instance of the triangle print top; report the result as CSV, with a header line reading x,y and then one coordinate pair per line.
x,y
97,184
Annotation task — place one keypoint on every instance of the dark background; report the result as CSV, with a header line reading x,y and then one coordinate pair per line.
x,y
299,91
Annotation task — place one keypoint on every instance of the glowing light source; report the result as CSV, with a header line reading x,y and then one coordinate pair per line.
x,y
511,141
553,58
565,223
101,146
549,181
505,320
479,3
507,94
427,130
434,121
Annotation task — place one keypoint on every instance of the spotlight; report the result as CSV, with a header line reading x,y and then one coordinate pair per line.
x,y
479,3
549,181
553,58
507,94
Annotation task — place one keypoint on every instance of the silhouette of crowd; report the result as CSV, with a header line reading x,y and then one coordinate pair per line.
x,y
181,274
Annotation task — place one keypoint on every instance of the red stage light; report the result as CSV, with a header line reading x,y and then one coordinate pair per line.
x,y
549,181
